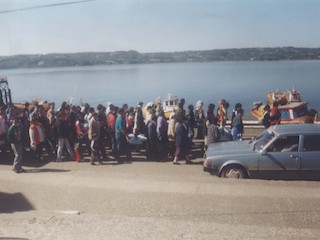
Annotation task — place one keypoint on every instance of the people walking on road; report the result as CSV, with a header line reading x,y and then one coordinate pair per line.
x,y
209,118
112,117
102,118
123,146
237,106
15,139
182,141
139,126
37,138
172,133
152,139
181,113
63,134
94,135
237,125
82,138
162,133
212,131
266,118
200,118
222,113
275,114
130,120
191,122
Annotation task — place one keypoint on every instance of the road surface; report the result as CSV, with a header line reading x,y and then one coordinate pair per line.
x,y
151,200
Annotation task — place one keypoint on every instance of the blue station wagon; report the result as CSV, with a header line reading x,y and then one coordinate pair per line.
x,y
280,152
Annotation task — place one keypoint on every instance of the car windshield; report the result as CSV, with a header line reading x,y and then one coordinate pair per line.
x,y
261,140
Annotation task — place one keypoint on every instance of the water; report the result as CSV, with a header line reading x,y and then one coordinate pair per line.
x,y
244,82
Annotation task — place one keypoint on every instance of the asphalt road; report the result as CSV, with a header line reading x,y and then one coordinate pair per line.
x,y
151,200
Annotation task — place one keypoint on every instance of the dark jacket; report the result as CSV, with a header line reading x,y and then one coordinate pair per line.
x,y
63,129
152,132
14,134
182,139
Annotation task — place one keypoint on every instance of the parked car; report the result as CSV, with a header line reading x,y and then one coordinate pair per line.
x,y
280,152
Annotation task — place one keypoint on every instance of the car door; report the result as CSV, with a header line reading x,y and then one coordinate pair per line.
x,y
310,156
281,158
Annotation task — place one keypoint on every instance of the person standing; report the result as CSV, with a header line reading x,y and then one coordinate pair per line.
x,y
162,132
37,138
63,133
237,125
121,136
265,120
15,139
212,131
94,135
275,114
82,137
139,127
112,117
152,141
171,133
182,141
102,118
222,113
191,122
200,118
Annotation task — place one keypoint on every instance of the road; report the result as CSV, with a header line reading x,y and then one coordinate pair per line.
x,y
152,200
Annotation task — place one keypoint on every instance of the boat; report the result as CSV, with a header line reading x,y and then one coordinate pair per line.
x,y
5,97
168,105
292,108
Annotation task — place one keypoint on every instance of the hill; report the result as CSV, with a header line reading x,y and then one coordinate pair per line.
x,y
134,57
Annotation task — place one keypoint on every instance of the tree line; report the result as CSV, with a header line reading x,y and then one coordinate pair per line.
x,y
134,57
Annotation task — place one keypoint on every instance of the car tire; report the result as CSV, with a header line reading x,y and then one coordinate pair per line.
x,y
233,171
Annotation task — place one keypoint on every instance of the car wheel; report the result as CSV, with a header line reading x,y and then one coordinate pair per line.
x,y
232,172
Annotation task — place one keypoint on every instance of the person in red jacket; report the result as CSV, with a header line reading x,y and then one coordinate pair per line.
x,y
275,114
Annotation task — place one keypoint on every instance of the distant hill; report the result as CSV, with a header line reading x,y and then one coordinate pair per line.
x,y
134,57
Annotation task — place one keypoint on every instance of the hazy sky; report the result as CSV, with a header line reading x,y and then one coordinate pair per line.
x,y
31,27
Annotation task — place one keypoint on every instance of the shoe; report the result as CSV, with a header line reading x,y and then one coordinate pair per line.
x,y
92,163
20,170
176,163
189,162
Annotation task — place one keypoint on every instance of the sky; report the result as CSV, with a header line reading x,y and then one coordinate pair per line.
x,y
70,26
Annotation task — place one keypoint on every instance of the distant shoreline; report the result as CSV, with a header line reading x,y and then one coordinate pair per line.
x,y
134,57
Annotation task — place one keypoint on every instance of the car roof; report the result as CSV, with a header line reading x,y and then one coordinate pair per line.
x,y
296,129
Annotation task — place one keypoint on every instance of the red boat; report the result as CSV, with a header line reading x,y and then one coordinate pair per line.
x,y
292,108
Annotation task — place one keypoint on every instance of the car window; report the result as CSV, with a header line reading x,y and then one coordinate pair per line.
x,y
263,138
311,143
285,144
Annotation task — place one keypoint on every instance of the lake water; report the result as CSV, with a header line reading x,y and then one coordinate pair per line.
x,y
244,82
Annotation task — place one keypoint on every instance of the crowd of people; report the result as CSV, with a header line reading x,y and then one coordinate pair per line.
x,y
70,131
